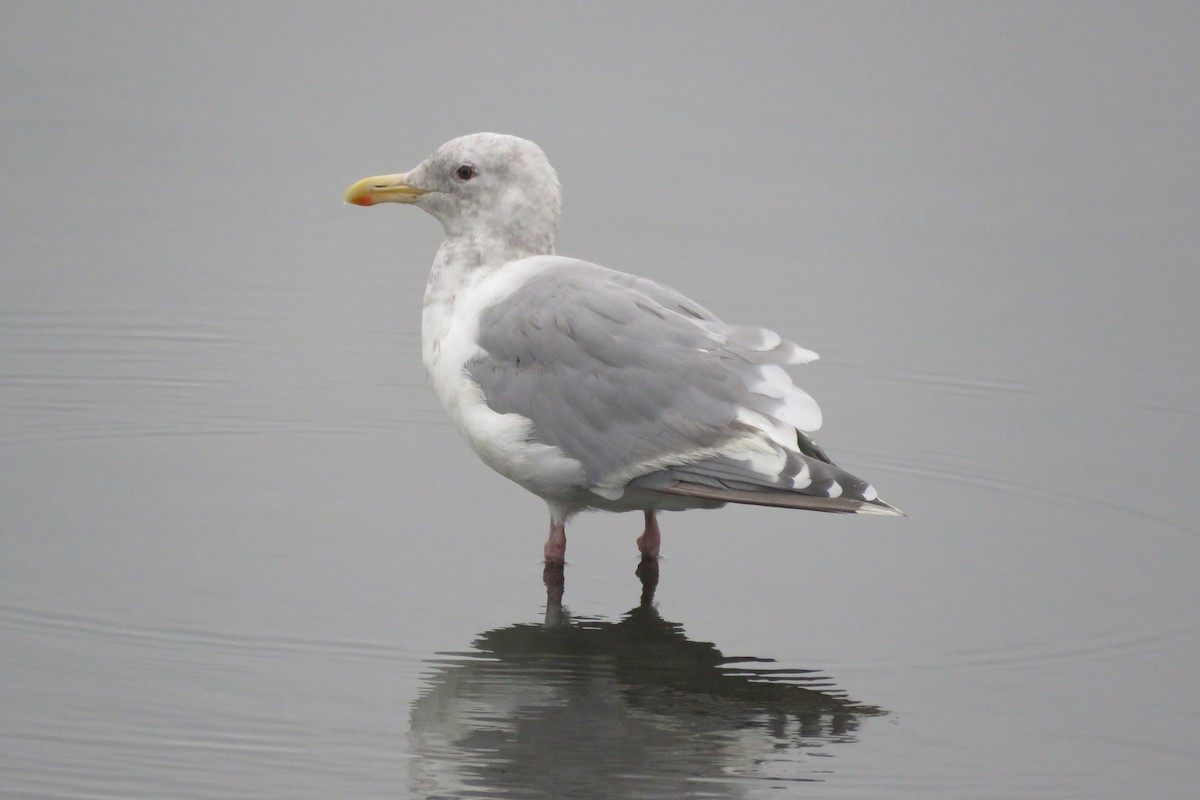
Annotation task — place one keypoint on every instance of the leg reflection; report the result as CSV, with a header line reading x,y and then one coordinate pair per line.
x,y
647,571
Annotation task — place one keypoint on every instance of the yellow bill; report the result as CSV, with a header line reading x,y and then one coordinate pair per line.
x,y
383,189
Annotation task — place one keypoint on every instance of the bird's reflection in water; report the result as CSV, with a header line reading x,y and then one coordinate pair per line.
x,y
587,708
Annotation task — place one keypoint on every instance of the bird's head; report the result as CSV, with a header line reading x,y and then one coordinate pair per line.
x,y
486,185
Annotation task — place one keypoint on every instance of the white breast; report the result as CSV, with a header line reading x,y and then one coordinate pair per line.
x,y
450,339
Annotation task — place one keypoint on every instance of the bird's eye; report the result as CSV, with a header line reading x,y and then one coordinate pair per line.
x,y
465,172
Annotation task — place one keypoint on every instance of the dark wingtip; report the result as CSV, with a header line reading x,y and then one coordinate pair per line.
x,y
783,499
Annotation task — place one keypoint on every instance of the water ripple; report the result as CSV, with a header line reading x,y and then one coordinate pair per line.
x,y
190,639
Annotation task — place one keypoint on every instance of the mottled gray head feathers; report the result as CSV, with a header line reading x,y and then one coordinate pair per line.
x,y
492,186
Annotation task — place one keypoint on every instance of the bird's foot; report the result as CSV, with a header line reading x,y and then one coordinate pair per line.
x,y
650,541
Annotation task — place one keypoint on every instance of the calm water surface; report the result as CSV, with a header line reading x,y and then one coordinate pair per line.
x,y
243,554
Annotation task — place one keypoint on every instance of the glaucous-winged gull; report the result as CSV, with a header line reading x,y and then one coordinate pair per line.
x,y
594,388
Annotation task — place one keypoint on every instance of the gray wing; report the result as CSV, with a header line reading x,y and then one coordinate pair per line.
x,y
640,384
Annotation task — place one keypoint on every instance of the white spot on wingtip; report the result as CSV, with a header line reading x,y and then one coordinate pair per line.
x,y
835,489
869,493
768,464
802,479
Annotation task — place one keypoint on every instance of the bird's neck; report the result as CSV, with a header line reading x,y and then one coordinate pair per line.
x,y
464,260
472,251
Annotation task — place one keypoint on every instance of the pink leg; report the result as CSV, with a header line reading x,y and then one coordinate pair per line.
x,y
651,538
556,545
556,582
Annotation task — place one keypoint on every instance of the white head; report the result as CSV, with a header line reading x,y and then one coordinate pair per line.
x,y
486,186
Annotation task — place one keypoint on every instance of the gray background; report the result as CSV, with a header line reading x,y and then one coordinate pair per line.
x,y
243,554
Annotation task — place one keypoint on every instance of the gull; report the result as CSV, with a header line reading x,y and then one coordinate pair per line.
x,y
593,388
